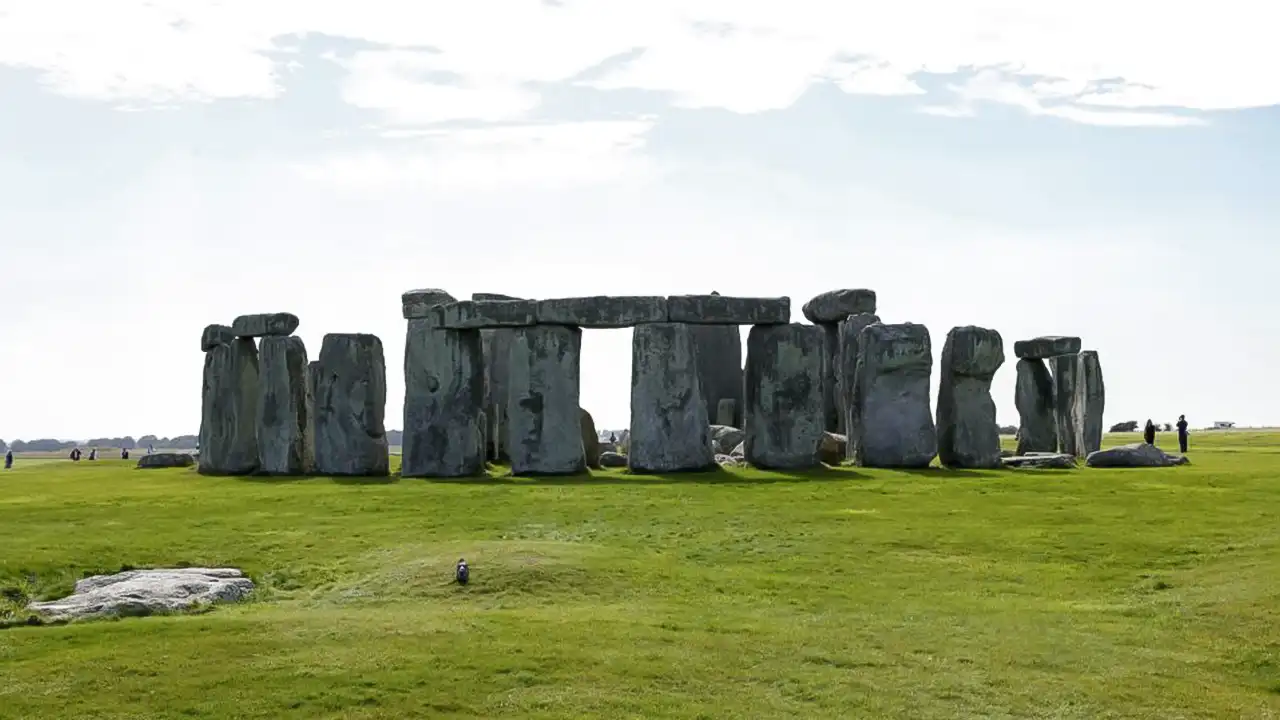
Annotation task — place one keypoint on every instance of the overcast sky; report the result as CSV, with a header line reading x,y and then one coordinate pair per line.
x,y
1108,170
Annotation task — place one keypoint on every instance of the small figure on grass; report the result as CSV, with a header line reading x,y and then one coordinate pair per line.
x,y
462,573
1182,434
8,460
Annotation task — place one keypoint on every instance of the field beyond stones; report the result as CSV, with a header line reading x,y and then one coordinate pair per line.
x,y
842,593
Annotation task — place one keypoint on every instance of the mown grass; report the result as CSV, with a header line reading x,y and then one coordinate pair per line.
x,y
841,593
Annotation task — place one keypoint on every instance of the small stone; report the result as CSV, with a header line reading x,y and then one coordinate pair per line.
x,y
602,311
833,449
726,310
1132,456
1040,461
477,314
229,409
670,431
1090,402
215,335
968,436
1042,348
590,440
612,460
1033,396
166,460
784,409
544,428
143,592
895,421
285,442
836,305
350,407
265,325
420,304
726,412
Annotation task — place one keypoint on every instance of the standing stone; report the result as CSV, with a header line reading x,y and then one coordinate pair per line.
x,y
670,430
968,436
497,359
1033,396
895,421
285,442
717,352
828,311
443,401
590,440
215,335
544,430
850,330
784,408
419,304
229,409
726,411
350,406
1065,372
1090,402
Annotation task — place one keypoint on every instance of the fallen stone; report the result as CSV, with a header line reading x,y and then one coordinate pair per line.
x,y
725,438
229,409
729,461
544,429
845,368
285,441
717,350
612,460
590,440
1090,402
968,435
895,422
478,314
1033,396
1040,460
784,409
602,311
265,325
670,431
421,304
215,335
739,451
1043,348
833,449
1066,371
1135,455
444,395
350,407
166,460
726,310
145,592
836,305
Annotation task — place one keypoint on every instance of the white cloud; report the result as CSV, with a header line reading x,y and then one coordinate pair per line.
x,y
392,81
864,77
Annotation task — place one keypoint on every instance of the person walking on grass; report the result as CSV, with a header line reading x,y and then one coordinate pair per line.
x,y
1182,434
8,460
1149,433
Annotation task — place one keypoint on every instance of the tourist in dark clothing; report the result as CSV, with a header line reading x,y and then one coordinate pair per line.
x,y
1182,434
8,460
124,453
1149,433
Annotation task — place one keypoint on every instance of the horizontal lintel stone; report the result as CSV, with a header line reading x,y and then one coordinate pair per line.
x,y
603,311
728,310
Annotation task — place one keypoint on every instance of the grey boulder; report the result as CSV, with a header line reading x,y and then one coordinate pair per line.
x,y
784,402
670,431
725,438
1056,461
1133,456
166,460
968,436
265,325
835,305
895,422
350,406
146,592
612,460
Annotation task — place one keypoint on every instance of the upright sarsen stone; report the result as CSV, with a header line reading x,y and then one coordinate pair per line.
x,y
215,335
1033,396
717,352
968,436
285,442
784,404
670,430
444,395
350,406
1065,369
846,374
1090,403
497,358
229,409
895,421
544,429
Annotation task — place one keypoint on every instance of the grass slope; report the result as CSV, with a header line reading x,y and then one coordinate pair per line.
x,y
842,593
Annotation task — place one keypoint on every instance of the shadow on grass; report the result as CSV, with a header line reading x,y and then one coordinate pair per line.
x,y
714,476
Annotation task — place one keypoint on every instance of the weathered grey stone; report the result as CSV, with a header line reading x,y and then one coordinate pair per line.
x,y
166,460
265,325
285,442
215,335
443,401
602,311
145,592
836,305
717,350
590,440
784,418
727,310
350,406
1065,369
740,450
1042,348
420,304
497,359
1135,455
1047,460
725,438
544,429
729,461
895,422
726,410
229,409
833,449
845,369
478,314
968,436
670,431
1033,396
612,460
1090,402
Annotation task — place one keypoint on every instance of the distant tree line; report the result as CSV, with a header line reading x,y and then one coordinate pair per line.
x,y
179,442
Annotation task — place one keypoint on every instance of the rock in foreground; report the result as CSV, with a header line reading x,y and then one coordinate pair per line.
x,y
1135,455
166,460
144,592
1040,460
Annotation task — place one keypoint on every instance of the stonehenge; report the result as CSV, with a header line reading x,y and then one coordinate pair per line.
x,y
968,436
229,409
670,430
847,367
828,310
1060,397
891,393
350,402
285,442
785,414
1090,400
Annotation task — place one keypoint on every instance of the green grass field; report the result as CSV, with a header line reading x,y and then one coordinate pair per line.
x,y
841,593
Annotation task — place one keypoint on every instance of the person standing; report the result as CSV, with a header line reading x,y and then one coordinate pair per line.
x,y
8,459
1149,433
1182,434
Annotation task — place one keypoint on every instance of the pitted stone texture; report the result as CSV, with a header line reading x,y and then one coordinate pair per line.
x,y
350,406
895,421
1052,461
144,592
284,427
166,460
1090,402
717,351
1033,396
784,410
215,335
420,304
670,431
1065,369
443,400
846,370
228,418
968,436
1135,455
497,359
265,325
602,311
836,305
727,310
1042,348
477,314
544,430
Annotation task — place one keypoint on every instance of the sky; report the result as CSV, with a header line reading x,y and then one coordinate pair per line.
x,y
1106,170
